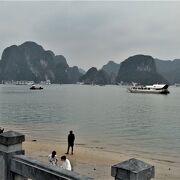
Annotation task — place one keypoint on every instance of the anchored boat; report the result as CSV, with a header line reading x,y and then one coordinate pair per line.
x,y
154,89
33,87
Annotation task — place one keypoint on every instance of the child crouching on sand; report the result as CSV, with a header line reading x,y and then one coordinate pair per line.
x,y
53,158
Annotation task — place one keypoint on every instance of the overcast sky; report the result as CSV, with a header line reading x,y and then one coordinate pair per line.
x,y
92,33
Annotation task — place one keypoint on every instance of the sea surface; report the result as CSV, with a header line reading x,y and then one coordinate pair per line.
x,y
105,117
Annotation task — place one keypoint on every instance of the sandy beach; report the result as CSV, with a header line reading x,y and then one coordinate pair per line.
x,y
96,163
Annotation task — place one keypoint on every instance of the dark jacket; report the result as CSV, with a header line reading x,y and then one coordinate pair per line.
x,y
71,139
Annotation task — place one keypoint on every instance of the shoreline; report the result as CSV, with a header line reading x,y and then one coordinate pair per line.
x,y
96,162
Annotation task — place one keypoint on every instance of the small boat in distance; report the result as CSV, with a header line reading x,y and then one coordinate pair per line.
x,y
154,89
33,87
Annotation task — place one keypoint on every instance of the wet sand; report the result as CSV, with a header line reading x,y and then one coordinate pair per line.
x,y
96,162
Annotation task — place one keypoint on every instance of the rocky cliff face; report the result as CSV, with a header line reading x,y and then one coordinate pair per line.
x,y
93,76
140,69
82,71
30,61
169,69
111,68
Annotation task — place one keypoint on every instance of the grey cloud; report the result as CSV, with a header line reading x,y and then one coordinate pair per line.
x,y
91,33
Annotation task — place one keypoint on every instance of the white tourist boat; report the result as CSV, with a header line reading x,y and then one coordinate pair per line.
x,y
154,89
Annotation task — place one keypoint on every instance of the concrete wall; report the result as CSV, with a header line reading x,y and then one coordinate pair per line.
x,y
2,166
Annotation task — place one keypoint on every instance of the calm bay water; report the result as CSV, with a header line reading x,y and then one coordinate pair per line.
x,y
104,117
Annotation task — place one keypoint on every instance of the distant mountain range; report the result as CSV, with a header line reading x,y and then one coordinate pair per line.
x,y
145,70
29,61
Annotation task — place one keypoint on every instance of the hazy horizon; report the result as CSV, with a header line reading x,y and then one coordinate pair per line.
x,y
93,33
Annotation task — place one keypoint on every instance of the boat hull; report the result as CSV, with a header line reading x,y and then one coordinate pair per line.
x,y
35,88
164,91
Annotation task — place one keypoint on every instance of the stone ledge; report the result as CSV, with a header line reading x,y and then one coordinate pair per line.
x,y
28,167
11,138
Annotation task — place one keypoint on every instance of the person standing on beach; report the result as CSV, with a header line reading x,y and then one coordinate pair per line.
x,y
53,158
71,139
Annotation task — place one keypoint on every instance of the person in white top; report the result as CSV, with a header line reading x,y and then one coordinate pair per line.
x,y
66,163
53,158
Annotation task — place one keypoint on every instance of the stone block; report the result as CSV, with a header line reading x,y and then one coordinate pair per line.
x,y
11,138
133,169
10,145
